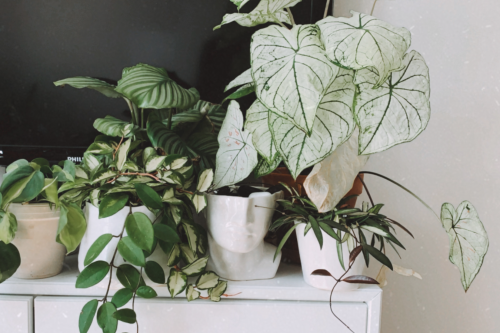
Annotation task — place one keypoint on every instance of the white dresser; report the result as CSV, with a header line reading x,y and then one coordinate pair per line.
x,y
284,304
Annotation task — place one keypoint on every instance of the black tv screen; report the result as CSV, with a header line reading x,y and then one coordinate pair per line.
x,y
45,41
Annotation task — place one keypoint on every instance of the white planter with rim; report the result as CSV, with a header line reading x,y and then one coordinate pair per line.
x,y
114,225
313,258
41,255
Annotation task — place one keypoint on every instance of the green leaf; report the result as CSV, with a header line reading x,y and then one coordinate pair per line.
x,y
115,127
218,291
192,293
294,59
67,174
87,315
317,230
263,168
151,88
8,227
92,274
205,180
155,272
72,226
378,255
10,260
363,41
125,315
146,292
140,230
207,280
340,251
129,277
468,239
247,89
105,318
148,196
122,153
122,297
80,82
97,247
166,233
17,164
176,283
24,189
396,112
50,191
131,252
266,11
283,241
195,267
237,156
112,204
333,126
326,228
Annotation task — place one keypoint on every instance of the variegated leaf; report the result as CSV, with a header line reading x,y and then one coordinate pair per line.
x,y
122,153
94,197
468,239
199,202
151,87
362,41
239,3
396,112
195,267
242,79
115,127
81,82
104,174
334,124
263,168
176,282
216,292
266,11
191,293
205,180
291,72
257,123
236,156
154,162
8,226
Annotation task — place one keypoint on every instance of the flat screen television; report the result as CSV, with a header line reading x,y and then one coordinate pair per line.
x,y
45,41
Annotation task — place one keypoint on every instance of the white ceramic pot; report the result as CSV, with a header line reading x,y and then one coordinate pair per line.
x,y
41,255
236,230
114,225
313,258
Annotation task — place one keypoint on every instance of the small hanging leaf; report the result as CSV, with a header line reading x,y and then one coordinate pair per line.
x,y
176,283
321,272
72,226
207,280
96,248
174,253
187,254
92,274
166,233
125,315
192,293
205,180
87,315
10,260
195,267
283,241
129,277
354,254
199,202
155,272
146,292
140,230
468,239
112,204
122,297
360,279
105,318
131,252
317,230
216,292
378,255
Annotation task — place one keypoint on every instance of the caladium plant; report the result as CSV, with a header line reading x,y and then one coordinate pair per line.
x,y
163,159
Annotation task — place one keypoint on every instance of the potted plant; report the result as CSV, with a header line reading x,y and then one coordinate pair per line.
x,y
140,182
29,215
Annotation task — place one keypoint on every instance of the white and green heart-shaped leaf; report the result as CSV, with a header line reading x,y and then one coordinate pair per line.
x,y
243,79
468,239
334,124
236,156
80,82
363,41
115,127
266,11
151,87
396,112
291,72
257,123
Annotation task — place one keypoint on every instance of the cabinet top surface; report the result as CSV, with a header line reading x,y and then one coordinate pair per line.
x,y
287,285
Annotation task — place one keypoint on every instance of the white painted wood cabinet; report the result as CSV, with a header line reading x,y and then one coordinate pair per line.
x,y
283,304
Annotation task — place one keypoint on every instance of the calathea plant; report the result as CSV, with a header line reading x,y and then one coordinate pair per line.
x,y
317,84
24,182
162,162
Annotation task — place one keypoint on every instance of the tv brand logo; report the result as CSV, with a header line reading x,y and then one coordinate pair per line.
x,y
75,159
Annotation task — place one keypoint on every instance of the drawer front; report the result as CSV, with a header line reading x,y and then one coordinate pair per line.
x,y
60,315
16,314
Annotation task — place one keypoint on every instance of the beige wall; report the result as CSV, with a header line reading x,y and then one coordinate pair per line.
x,y
456,158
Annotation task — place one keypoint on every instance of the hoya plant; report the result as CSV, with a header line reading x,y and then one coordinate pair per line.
x,y
317,85
24,182
162,159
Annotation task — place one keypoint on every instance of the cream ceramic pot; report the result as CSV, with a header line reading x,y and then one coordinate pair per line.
x,y
236,230
113,225
41,255
313,258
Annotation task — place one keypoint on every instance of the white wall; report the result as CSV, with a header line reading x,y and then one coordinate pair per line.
x,y
456,158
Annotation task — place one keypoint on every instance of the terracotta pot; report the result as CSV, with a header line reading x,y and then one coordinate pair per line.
x,y
290,252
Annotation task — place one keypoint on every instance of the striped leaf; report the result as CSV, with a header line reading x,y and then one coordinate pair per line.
x,y
81,82
396,112
168,140
291,72
115,127
151,87
333,126
213,115
236,157
205,146
362,41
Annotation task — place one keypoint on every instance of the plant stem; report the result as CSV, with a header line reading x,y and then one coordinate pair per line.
x,y
279,22
331,294
170,113
291,15
142,117
116,150
366,189
373,8
326,9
